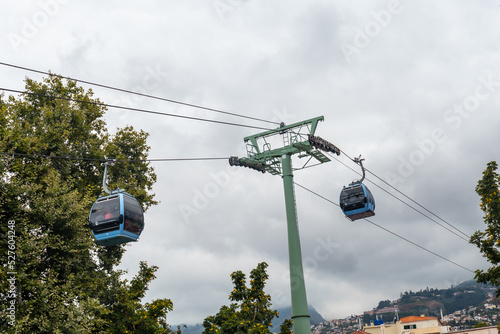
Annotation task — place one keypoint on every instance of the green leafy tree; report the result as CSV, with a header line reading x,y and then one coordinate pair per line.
x,y
384,303
53,277
250,310
286,327
480,324
488,240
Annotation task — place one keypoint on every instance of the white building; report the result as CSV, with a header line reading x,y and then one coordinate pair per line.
x,y
411,325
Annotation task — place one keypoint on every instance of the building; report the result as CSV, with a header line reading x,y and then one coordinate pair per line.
x,y
359,332
411,325
480,330
423,325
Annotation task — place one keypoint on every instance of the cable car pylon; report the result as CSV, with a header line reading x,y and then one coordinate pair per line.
x,y
298,138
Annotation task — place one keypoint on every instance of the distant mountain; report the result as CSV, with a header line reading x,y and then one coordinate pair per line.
x,y
286,313
193,329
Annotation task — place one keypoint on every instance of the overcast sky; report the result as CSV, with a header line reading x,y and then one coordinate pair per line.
x,y
412,86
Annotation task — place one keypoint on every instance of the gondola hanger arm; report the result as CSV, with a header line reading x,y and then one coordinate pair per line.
x,y
109,162
359,161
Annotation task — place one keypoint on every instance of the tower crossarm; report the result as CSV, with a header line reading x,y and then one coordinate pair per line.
x,y
298,138
295,130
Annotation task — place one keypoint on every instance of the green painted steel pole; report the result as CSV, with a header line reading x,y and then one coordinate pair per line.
x,y
300,312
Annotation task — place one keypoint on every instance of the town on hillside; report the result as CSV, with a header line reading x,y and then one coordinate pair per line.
x,y
468,308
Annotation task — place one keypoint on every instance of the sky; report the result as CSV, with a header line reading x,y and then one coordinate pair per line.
x,y
411,86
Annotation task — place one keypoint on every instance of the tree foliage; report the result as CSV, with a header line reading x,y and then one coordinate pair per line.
x,y
384,303
250,310
54,278
488,240
480,324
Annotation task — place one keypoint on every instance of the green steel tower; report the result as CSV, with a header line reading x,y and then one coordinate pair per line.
x,y
297,138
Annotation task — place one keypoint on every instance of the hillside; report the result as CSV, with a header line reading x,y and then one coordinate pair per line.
x,y
463,306
467,296
432,302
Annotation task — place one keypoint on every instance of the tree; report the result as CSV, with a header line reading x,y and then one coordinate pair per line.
x,y
384,303
53,277
480,324
250,311
488,240
286,327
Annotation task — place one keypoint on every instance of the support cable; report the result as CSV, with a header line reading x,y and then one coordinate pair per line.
x,y
432,213
224,158
420,205
18,155
467,237
389,231
139,94
133,109
464,236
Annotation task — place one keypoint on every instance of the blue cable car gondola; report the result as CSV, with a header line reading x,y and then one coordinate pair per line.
x,y
117,218
356,200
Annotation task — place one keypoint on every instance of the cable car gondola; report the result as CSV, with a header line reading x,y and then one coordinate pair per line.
x,y
117,218
356,200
